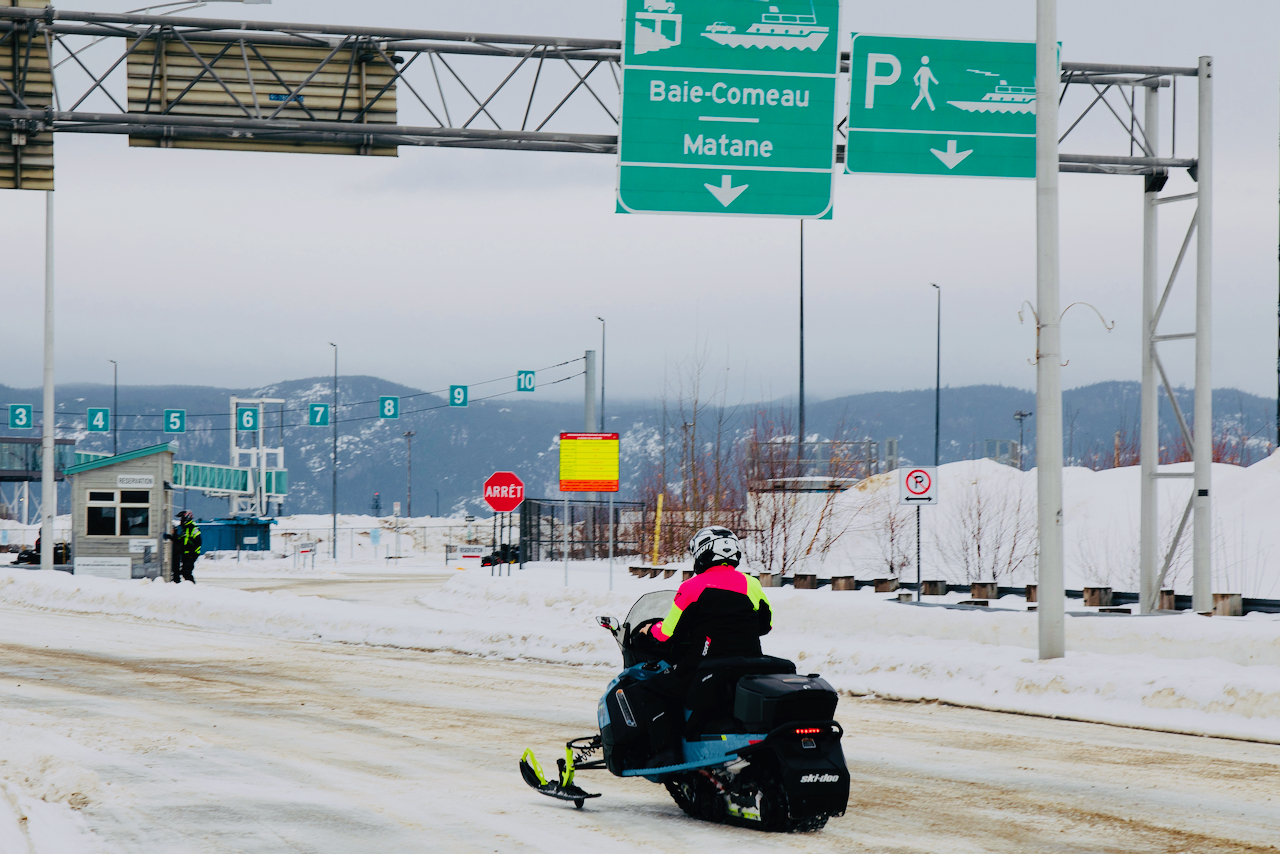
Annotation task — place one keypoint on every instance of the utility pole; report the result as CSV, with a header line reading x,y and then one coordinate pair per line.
x,y
937,389
1020,416
333,420
408,436
603,330
800,441
48,486
1051,595
115,407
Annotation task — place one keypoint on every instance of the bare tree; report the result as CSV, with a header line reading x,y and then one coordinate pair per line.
x,y
991,535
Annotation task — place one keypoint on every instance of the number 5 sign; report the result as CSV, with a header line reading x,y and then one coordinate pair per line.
x,y
175,421
388,407
21,416
318,415
918,485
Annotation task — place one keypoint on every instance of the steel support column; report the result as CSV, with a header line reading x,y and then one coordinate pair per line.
x,y
1050,599
1149,429
1202,588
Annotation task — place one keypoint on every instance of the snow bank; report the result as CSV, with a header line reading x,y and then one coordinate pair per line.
x,y
42,789
1209,676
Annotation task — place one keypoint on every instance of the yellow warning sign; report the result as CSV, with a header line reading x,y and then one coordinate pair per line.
x,y
588,462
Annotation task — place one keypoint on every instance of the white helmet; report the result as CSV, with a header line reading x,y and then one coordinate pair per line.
x,y
713,546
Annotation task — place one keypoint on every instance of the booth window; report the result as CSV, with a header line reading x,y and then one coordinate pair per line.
x,y
122,513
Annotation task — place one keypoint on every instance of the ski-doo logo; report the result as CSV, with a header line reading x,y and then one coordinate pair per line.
x,y
819,778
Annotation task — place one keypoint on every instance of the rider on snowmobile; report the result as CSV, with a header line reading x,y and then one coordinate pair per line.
x,y
719,613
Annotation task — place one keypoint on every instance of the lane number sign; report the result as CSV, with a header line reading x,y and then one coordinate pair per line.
x,y
318,415
918,485
526,380
457,395
98,420
21,416
246,419
388,407
175,421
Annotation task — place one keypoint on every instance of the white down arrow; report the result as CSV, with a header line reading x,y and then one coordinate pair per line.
x,y
726,192
951,158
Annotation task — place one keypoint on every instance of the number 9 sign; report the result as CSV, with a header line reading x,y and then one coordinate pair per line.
x,y
388,407
457,395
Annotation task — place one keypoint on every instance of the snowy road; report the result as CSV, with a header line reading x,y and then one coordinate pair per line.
x,y
180,740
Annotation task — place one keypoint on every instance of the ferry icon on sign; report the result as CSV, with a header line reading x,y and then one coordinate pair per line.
x,y
657,27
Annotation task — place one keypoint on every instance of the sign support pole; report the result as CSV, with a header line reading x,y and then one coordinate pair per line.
x,y
1149,436
48,486
566,541
1049,349
610,542
1202,435
918,584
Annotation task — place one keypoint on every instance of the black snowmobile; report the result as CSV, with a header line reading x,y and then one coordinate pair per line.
x,y
768,755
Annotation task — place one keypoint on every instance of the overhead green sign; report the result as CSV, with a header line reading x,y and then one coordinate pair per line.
x,y
728,107
318,415
21,416
388,407
98,420
942,107
175,421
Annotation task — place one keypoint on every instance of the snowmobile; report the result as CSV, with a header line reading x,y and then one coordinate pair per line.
x,y
767,754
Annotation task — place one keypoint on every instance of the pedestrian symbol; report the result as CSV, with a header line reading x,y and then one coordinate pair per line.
x,y
922,79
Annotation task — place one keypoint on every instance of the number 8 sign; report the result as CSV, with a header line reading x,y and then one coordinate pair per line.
x,y
388,407
457,395
21,416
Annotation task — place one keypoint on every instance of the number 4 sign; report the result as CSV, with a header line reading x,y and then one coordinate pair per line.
x,y
99,420
21,416
318,415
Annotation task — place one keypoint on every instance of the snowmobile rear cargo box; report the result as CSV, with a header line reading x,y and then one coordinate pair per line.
x,y
763,702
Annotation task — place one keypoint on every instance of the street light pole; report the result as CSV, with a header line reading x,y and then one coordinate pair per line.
x,y
333,420
603,330
408,436
437,504
1020,416
115,407
800,443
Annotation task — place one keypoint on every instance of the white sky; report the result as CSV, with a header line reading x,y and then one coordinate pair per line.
x,y
446,266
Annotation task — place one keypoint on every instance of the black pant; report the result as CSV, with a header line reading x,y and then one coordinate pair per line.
x,y
186,568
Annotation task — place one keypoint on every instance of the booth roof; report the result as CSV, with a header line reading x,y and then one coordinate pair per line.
x,y
120,458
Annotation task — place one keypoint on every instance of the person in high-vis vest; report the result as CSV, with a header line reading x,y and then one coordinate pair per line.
x,y
719,613
186,538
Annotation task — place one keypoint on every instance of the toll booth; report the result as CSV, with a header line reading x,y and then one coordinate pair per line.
x,y
121,508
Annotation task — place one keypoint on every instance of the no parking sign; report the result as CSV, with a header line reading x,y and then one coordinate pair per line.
x,y
918,485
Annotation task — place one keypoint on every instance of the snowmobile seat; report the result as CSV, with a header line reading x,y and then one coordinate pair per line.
x,y
710,701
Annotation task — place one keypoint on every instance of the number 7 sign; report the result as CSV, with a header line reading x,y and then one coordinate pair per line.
x,y
318,415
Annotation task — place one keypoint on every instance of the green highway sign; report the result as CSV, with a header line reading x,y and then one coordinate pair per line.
x,y
98,420
318,415
388,407
175,421
526,380
457,395
21,416
247,418
923,106
728,107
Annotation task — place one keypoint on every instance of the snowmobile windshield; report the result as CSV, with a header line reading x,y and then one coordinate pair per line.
x,y
651,606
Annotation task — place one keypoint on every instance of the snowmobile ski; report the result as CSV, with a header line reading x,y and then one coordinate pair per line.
x,y
563,788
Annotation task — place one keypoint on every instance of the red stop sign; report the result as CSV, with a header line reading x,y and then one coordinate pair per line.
x,y
504,491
